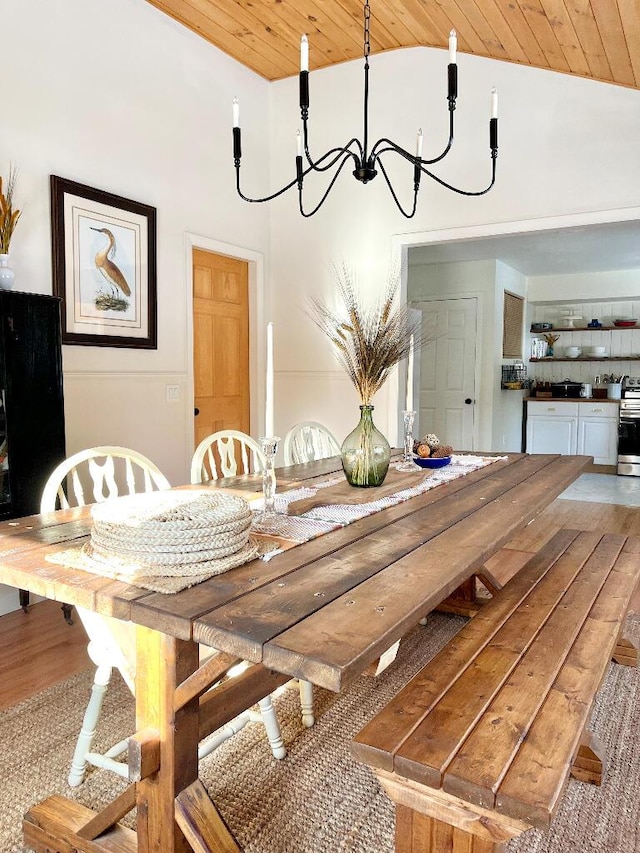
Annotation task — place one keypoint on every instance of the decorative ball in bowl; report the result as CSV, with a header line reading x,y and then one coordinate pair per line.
x,y
432,461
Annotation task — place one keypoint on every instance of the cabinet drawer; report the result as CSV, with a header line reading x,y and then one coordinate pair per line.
x,y
599,410
551,408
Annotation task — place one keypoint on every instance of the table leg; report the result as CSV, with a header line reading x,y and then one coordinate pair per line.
x,y
163,662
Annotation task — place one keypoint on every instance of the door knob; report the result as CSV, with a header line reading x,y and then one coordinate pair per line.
x,y
196,411
468,401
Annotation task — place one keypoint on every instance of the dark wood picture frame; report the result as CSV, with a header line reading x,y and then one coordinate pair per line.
x,y
104,303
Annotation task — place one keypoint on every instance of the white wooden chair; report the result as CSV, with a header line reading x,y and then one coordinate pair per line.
x,y
112,642
218,454
307,441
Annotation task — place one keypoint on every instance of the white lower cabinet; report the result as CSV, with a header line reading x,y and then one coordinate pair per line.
x,y
589,428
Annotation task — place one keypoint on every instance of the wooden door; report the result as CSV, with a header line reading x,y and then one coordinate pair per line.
x,y
447,370
221,343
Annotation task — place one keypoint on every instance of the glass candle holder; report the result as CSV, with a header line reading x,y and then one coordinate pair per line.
x,y
268,520
408,463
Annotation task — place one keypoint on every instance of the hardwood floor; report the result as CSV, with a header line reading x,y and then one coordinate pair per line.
x,y
580,515
40,649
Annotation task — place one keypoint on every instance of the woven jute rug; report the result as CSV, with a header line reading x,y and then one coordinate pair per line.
x,y
318,799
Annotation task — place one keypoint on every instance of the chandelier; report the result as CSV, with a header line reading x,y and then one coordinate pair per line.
x,y
367,160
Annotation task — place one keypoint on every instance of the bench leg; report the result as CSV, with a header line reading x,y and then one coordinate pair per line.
x,y
429,820
417,833
626,651
590,763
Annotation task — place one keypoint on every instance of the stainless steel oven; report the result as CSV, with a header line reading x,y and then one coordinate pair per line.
x,y
629,429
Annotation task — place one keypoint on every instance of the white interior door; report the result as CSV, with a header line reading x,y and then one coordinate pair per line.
x,y
447,370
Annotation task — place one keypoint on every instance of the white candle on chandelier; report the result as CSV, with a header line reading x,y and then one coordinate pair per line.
x,y
298,143
494,103
268,415
236,113
409,403
453,44
304,53
419,144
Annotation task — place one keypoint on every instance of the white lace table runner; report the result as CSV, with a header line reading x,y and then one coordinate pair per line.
x,y
322,519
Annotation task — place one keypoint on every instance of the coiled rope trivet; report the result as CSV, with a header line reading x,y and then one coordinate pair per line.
x,y
166,541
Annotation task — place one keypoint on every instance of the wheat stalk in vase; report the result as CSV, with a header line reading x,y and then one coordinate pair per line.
x,y
8,216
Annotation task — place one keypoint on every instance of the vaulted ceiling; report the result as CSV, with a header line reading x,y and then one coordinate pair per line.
x,y
590,38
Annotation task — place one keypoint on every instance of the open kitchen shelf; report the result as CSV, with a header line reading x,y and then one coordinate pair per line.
x,y
590,358
586,329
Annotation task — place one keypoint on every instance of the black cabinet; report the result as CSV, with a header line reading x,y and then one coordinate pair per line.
x,y
32,439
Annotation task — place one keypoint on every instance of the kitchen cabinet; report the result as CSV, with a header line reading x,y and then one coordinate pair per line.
x,y
589,428
552,427
598,433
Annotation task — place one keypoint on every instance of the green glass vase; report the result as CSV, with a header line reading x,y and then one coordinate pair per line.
x,y
365,453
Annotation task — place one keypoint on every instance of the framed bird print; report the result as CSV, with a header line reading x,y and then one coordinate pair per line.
x,y
104,266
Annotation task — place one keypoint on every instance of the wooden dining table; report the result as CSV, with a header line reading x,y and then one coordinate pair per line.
x,y
322,611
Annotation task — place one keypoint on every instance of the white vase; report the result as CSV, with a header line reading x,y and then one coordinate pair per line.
x,y
6,273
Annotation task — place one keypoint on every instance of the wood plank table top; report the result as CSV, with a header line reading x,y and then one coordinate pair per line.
x,y
299,612
321,611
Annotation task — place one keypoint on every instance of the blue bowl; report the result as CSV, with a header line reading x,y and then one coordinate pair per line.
x,y
436,462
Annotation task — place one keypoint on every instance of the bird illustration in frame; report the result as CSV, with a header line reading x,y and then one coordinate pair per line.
x,y
115,298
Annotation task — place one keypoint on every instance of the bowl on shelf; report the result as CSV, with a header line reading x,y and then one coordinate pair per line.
x,y
432,462
598,351
572,352
624,322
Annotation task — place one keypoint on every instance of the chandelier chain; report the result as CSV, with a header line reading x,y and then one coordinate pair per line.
x,y
367,30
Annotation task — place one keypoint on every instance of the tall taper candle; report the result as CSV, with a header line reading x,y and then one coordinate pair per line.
x,y
409,405
268,416
453,45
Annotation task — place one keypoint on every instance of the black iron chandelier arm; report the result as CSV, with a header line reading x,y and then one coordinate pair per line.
x,y
466,192
416,187
265,198
390,145
327,191
315,165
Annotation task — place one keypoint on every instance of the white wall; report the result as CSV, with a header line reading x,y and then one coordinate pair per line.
x,y
567,148
120,97
507,410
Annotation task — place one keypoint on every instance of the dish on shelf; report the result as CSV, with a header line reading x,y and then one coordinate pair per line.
x,y
432,461
600,352
573,352
541,327
624,322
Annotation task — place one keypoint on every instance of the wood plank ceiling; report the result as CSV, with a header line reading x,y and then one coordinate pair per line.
x,y
590,38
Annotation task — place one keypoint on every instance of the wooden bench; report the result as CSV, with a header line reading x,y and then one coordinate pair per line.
x,y
479,746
